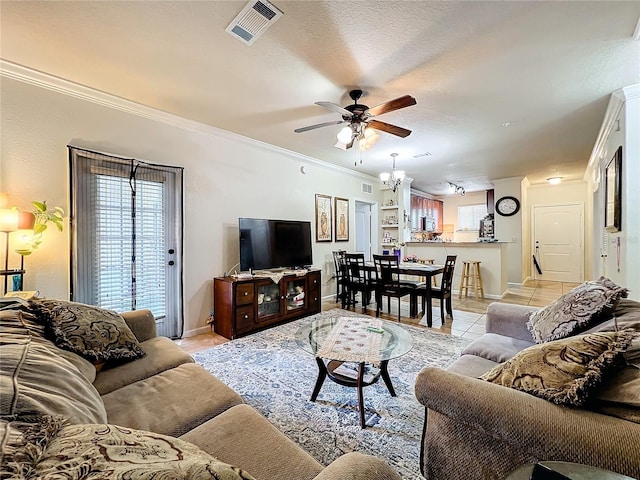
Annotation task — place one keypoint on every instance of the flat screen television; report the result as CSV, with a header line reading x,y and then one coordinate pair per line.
x,y
266,243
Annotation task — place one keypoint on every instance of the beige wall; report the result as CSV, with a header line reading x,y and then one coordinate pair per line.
x,y
509,229
617,254
225,177
450,204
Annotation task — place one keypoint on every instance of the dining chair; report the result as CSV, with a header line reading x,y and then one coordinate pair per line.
x,y
443,292
388,283
358,280
340,273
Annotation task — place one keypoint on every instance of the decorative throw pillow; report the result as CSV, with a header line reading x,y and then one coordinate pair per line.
x,y
92,332
76,452
38,380
574,310
563,371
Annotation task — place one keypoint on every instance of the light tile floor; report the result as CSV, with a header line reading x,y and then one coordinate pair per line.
x,y
536,293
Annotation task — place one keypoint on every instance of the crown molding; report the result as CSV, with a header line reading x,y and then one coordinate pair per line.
x,y
59,85
616,102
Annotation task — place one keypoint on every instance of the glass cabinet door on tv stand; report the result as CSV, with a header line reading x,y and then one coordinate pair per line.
x,y
295,296
268,299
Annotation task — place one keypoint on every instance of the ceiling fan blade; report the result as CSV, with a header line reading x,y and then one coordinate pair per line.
x,y
387,127
319,125
334,108
392,105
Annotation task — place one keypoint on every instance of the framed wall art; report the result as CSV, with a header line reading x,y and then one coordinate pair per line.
x,y
324,225
613,193
341,212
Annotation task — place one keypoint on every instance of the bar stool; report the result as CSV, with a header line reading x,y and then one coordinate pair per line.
x,y
471,277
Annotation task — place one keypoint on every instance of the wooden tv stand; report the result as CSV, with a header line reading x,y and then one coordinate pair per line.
x,y
245,306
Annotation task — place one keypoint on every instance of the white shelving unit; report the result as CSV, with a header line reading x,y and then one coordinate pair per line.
x,y
389,213
393,214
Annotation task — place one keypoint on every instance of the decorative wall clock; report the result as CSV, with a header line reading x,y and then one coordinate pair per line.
x,y
507,206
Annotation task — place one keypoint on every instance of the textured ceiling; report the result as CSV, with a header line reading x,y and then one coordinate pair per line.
x,y
546,68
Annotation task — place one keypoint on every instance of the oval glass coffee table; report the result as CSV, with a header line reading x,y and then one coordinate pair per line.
x,y
366,343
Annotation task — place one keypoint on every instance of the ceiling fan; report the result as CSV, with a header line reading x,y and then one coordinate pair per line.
x,y
360,116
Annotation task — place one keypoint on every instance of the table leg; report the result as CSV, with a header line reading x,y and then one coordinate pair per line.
x,y
360,394
413,306
428,301
385,376
322,374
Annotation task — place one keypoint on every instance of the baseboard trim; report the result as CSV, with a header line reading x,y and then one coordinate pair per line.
x,y
196,331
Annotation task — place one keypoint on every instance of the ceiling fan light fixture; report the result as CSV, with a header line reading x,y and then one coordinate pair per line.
x,y
368,138
345,135
362,126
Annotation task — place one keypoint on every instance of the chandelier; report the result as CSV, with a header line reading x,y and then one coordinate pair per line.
x,y
393,179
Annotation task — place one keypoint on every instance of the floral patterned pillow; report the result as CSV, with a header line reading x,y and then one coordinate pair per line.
x,y
564,371
49,449
92,332
575,310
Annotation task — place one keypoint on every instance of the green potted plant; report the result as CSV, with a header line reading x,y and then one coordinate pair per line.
x,y
42,216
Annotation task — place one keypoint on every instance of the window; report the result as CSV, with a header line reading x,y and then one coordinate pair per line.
x,y
469,216
126,236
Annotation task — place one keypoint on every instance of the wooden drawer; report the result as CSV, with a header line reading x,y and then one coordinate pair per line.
x,y
244,293
314,282
244,319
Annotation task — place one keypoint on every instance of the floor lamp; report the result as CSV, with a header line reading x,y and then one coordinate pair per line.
x,y
9,220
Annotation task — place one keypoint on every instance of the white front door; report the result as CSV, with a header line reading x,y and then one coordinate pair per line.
x,y
363,229
557,242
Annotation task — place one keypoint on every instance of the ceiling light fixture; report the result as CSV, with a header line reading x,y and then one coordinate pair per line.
x,y
453,188
345,135
554,180
393,179
368,138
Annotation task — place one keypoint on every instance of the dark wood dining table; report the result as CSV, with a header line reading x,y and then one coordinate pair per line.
x,y
418,270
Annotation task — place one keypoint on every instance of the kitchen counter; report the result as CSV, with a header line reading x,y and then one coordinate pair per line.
x,y
455,243
492,255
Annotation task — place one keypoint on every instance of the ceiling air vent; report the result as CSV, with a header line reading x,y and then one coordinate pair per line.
x,y
366,188
253,21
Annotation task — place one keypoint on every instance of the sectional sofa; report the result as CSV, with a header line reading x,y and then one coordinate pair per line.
x,y
154,412
478,429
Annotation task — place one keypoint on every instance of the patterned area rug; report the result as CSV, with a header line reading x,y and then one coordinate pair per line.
x,y
276,377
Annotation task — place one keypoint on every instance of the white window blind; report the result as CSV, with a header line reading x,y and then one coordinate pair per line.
x,y
115,288
469,216
127,237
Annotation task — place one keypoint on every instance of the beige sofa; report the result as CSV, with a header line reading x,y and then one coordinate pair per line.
x,y
478,430
164,392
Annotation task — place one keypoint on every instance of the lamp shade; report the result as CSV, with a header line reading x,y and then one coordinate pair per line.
x,y
385,176
26,220
398,174
9,220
